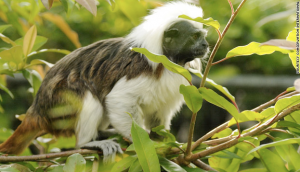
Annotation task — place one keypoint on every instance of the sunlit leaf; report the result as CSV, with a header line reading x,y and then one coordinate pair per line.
x,y
281,43
66,52
192,97
254,48
124,164
4,27
255,169
292,35
75,163
59,22
291,89
90,5
247,116
47,3
213,98
38,61
144,148
293,117
29,40
286,103
209,21
277,143
222,133
272,161
170,166
293,58
12,55
7,40
226,154
165,61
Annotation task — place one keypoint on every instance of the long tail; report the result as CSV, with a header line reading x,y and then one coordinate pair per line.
x,y
23,135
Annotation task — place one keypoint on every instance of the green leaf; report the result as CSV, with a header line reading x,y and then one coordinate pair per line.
x,y
288,124
255,169
272,161
295,118
38,61
29,40
277,143
13,19
168,137
135,166
4,27
144,148
170,166
226,154
75,163
166,62
286,103
290,155
123,164
50,50
247,116
209,21
2,87
39,42
55,168
13,56
7,40
213,98
290,89
292,35
223,133
192,97
293,58
255,48
33,78
132,10
188,169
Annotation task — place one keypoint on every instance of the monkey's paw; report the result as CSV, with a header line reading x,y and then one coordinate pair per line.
x,y
108,147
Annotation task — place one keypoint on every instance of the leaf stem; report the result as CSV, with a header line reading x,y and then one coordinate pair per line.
x,y
212,55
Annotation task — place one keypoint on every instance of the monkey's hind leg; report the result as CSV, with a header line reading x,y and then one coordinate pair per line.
x,y
90,120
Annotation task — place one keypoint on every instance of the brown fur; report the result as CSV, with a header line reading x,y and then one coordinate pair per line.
x,y
96,68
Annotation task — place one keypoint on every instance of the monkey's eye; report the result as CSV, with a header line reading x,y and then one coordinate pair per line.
x,y
196,36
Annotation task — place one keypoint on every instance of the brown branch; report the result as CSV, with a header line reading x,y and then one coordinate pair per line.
x,y
213,53
188,151
253,132
5,158
203,166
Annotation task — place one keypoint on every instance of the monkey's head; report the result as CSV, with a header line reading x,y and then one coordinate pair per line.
x,y
183,42
163,32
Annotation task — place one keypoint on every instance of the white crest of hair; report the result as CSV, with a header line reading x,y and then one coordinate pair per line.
x,y
149,34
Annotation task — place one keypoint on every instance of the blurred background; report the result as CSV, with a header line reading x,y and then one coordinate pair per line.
x,y
253,79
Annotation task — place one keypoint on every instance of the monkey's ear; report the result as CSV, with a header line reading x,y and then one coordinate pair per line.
x,y
171,33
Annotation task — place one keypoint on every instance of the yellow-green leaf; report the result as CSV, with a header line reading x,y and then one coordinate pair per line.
x,y
209,21
292,35
7,40
255,48
29,40
166,62
247,116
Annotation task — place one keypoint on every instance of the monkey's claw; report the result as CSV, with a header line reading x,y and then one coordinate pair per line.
x,y
108,147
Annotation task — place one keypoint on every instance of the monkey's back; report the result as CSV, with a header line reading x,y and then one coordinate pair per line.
x,y
95,68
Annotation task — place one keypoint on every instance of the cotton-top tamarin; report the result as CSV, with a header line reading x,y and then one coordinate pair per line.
x,y
97,85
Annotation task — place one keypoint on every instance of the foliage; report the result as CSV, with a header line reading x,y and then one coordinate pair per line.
x,y
226,150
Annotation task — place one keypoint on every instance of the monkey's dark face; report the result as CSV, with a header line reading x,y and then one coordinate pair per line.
x,y
183,42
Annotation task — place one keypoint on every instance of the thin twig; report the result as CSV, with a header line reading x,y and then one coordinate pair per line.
x,y
213,53
203,166
4,158
190,139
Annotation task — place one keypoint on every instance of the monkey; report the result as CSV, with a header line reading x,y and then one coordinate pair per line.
x,y
95,86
